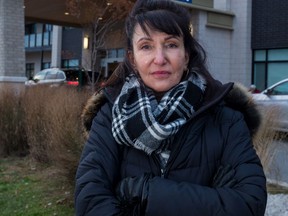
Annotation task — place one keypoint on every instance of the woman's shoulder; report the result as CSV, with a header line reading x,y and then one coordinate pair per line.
x,y
239,101
94,104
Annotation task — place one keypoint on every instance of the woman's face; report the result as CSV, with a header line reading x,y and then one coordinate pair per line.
x,y
159,58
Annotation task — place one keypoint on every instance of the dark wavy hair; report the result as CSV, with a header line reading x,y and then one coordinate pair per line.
x,y
164,16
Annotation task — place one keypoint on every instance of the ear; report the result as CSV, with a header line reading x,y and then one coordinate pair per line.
x,y
186,58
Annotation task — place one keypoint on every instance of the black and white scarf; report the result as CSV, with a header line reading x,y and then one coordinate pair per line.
x,y
141,121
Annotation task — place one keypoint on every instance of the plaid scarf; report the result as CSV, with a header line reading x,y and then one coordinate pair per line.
x,y
140,121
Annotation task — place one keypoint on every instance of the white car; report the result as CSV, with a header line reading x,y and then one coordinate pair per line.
x,y
276,96
50,76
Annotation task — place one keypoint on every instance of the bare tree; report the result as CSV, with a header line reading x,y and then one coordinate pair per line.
x,y
98,16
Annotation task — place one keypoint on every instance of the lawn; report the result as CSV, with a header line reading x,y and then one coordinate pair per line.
x,y
30,189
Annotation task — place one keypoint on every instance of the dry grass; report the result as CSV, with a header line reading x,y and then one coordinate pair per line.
x,y
13,139
264,141
45,121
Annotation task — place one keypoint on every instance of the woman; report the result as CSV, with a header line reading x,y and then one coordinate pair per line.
x,y
165,138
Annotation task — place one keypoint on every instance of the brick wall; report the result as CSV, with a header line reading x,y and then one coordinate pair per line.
x,y
269,24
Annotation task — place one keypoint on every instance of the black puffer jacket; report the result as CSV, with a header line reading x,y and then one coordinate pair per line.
x,y
219,134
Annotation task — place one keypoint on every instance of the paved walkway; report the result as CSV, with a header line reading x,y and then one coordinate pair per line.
x,y
278,168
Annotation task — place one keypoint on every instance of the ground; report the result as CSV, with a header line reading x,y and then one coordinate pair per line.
x,y
28,188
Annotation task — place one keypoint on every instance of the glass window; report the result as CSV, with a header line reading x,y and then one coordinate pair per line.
x,y
259,75
46,65
30,70
32,40
270,66
277,72
38,40
46,38
60,75
121,53
26,41
41,75
260,55
30,29
281,89
65,63
51,75
112,53
73,63
278,55
47,27
70,63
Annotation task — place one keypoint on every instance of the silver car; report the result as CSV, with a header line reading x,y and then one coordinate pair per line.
x,y
276,97
50,76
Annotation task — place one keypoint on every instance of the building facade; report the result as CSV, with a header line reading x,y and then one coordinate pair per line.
x,y
49,45
245,41
269,42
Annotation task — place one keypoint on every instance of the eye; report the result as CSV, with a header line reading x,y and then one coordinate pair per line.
x,y
172,45
145,47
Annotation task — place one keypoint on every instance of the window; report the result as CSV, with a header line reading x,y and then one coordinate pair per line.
x,y
30,29
60,75
112,53
121,53
70,63
30,70
116,53
281,89
42,37
47,28
46,65
269,66
51,75
40,76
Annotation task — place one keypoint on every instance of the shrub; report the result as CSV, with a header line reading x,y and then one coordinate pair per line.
x,y
65,129
54,127
36,121
45,123
264,139
13,139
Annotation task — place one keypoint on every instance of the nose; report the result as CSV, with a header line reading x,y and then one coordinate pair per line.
x,y
160,56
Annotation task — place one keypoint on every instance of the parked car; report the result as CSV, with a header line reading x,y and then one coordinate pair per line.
x,y
50,76
276,96
63,76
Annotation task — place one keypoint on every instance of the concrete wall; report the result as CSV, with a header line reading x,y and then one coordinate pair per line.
x,y
228,51
12,54
217,44
241,53
35,57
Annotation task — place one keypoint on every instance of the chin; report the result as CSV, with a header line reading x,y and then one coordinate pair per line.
x,y
162,89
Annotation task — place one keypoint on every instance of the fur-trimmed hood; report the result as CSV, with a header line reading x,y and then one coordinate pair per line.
x,y
237,98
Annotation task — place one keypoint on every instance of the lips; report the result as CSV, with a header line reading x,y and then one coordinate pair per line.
x,y
161,74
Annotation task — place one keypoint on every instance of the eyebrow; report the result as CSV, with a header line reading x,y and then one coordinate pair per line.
x,y
150,39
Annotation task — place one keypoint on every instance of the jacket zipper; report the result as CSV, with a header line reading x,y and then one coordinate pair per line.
x,y
161,170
